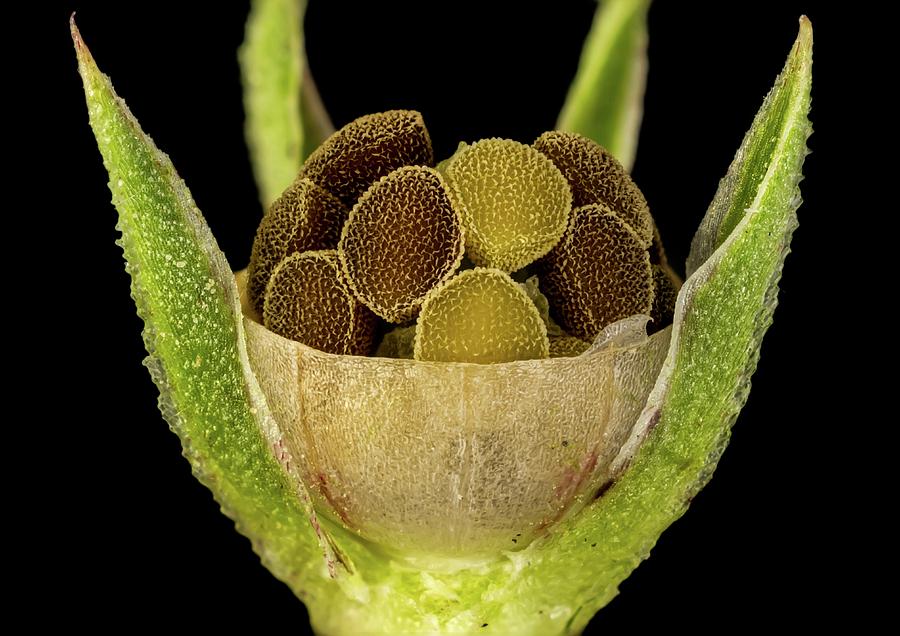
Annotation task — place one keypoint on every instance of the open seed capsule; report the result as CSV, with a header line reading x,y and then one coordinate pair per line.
x,y
307,301
403,237
366,149
304,218
514,202
481,315
596,177
598,273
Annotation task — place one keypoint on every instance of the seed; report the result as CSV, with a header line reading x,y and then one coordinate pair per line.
x,y
596,177
307,301
567,346
481,315
514,202
304,218
403,237
366,149
598,273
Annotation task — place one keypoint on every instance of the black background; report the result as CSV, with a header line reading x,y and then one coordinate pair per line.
x,y
138,537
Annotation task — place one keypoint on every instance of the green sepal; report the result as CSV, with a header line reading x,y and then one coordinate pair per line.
x,y
605,100
285,119
185,292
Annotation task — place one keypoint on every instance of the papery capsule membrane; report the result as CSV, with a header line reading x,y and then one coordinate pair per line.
x,y
437,459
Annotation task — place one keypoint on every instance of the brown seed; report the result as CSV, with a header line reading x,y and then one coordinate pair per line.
x,y
307,301
305,217
366,149
403,237
596,177
598,273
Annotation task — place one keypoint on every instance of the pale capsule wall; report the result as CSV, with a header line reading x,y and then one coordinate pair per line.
x,y
446,459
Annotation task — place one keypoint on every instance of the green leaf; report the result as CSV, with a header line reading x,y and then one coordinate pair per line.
x,y
186,294
285,117
605,101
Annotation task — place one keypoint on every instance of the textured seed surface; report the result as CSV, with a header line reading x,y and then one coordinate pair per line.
x,y
665,291
481,315
307,301
403,237
567,346
596,177
366,149
304,218
598,273
397,343
514,202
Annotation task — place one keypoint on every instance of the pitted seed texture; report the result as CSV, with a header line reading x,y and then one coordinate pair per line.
x,y
481,315
567,346
307,301
403,238
304,218
598,273
596,177
366,149
665,292
514,202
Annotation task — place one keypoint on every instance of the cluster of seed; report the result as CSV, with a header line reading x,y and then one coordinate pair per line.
x,y
504,252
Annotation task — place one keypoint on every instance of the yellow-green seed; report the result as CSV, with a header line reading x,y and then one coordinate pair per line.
x,y
514,202
480,315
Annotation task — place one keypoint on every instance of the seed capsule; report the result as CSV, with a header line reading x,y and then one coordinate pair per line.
x,y
307,301
596,177
481,315
403,237
304,218
366,149
598,273
514,202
